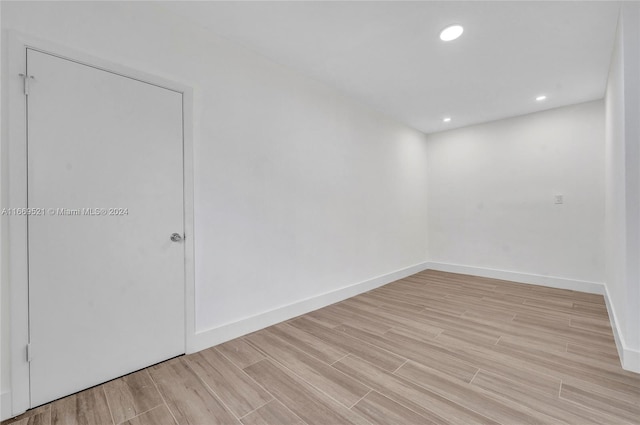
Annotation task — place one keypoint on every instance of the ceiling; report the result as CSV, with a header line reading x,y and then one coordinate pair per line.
x,y
389,55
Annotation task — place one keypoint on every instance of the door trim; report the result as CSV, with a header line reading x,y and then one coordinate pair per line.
x,y
14,195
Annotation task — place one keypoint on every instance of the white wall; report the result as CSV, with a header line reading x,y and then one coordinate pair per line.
x,y
491,198
5,402
299,191
622,167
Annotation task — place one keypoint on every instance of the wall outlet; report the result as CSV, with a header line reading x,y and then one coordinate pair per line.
x,y
558,199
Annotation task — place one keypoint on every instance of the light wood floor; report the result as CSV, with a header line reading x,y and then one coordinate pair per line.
x,y
434,348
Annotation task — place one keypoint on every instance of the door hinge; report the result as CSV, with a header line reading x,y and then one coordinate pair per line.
x,y
26,79
29,358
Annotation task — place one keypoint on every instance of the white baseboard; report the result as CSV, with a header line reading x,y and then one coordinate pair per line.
x,y
220,334
5,406
533,279
629,358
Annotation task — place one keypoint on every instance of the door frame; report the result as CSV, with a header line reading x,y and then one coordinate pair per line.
x,y
14,170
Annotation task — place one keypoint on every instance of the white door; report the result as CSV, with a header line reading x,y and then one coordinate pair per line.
x,y
106,283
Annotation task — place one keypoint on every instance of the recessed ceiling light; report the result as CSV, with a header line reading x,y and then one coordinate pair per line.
x,y
541,98
447,119
451,32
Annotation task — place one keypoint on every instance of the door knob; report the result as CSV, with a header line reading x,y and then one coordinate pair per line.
x,y
176,237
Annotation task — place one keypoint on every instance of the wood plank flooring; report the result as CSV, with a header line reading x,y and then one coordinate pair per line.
x,y
434,348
